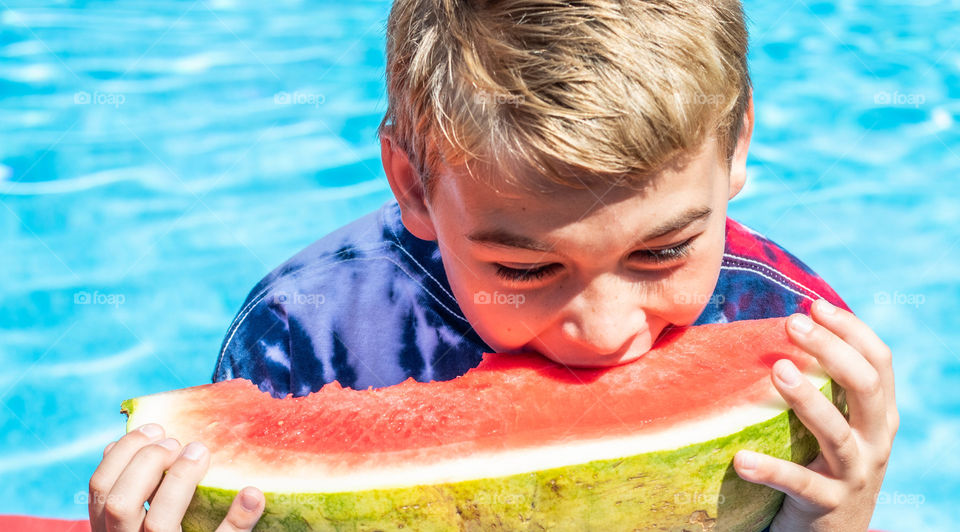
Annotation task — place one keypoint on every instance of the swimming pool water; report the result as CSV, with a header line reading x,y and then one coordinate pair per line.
x,y
157,159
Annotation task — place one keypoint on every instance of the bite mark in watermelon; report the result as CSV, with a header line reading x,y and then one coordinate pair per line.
x,y
517,443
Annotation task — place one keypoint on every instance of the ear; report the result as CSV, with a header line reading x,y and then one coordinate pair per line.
x,y
738,165
407,188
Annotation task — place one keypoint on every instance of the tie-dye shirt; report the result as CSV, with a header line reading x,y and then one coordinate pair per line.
x,y
370,305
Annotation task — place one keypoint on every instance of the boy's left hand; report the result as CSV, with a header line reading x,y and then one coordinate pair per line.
x,y
839,489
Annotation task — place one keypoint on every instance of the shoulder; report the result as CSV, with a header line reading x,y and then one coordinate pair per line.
x,y
367,305
760,279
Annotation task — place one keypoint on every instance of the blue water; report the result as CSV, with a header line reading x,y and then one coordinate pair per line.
x,y
156,161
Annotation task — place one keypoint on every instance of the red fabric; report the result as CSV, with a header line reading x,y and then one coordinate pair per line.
x,y
744,242
20,523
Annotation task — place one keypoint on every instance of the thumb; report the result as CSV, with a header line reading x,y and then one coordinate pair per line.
x,y
245,511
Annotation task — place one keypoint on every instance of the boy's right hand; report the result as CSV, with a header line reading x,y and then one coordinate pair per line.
x,y
132,472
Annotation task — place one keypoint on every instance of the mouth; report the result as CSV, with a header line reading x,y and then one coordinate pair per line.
x,y
669,327
626,354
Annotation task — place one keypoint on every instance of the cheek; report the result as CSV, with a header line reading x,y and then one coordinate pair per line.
x,y
691,289
504,319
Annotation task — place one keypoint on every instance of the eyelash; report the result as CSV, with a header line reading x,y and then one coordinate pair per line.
x,y
669,254
657,256
524,275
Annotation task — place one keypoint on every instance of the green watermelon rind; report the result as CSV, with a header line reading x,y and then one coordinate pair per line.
x,y
690,488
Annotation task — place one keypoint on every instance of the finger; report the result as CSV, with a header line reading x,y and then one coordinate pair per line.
x,y
115,458
805,486
245,511
861,337
173,496
820,416
124,505
108,447
845,365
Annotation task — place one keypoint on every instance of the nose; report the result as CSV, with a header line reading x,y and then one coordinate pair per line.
x,y
605,317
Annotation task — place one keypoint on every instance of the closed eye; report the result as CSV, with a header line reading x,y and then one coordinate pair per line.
x,y
650,256
526,274
664,255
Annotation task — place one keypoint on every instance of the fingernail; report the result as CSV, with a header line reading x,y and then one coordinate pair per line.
x,y
825,306
249,501
801,323
748,460
152,430
170,444
194,451
788,373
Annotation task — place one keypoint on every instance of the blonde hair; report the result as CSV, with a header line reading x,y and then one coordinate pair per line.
x,y
562,91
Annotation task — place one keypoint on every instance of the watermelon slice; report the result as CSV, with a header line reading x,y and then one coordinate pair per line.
x,y
517,443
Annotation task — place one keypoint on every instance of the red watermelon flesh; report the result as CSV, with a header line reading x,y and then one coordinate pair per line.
x,y
507,403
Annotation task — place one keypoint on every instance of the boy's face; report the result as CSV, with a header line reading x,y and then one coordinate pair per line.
x,y
584,277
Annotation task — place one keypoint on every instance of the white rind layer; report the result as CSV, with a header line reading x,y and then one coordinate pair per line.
x,y
290,478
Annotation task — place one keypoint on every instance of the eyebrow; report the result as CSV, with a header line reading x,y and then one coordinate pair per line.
x,y
685,219
503,238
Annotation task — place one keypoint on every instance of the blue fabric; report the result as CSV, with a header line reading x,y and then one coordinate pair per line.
x,y
369,305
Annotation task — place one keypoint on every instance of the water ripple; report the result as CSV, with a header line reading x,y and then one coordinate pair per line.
x,y
91,442
97,366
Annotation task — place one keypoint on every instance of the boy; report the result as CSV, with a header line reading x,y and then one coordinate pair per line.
x,y
561,172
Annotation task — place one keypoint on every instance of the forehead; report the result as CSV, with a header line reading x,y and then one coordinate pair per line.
x,y
475,204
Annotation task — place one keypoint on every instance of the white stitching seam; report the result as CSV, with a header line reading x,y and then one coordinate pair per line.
x,y
263,293
256,299
770,278
425,270
767,267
